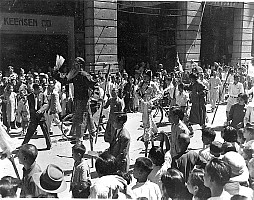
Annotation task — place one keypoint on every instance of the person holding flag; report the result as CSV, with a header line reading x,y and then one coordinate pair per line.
x,y
82,82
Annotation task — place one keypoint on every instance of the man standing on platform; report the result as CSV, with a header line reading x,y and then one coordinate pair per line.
x,y
82,82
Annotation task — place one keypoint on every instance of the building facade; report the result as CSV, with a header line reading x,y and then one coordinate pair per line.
x,y
124,33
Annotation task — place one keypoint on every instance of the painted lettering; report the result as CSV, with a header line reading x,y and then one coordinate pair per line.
x,y
20,21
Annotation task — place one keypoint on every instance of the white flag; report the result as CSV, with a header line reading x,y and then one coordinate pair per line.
x,y
59,62
7,144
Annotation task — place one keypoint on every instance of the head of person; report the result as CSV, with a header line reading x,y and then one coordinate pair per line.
x,y
180,87
51,85
227,147
176,114
193,77
7,190
236,79
248,150
239,170
229,134
183,142
208,135
248,133
173,184
216,148
114,92
27,154
217,173
51,180
9,88
36,88
14,182
147,76
120,120
78,151
195,184
106,164
242,98
156,155
142,168
11,70
201,76
240,137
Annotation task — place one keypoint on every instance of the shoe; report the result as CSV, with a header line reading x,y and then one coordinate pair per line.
x,y
48,147
66,131
51,133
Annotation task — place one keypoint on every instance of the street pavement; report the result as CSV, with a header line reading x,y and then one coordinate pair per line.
x,y
60,153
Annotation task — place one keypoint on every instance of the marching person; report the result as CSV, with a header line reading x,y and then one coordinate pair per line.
x,y
82,82
38,104
214,86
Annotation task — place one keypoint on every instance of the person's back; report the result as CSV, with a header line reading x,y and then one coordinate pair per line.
x,y
186,160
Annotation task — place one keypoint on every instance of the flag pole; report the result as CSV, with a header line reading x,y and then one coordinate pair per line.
x,y
11,158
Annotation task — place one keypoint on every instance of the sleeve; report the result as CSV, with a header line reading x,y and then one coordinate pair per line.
x,y
107,104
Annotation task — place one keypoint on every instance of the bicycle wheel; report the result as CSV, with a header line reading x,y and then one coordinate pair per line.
x,y
157,114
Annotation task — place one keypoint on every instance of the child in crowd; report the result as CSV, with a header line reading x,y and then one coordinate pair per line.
x,y
27,157
173,185
186,160
216,149
217,174
208,136
81,179
144,188
157,156
237,112
7,189
178,127
182,98
23,115
229,134
196,185
116,105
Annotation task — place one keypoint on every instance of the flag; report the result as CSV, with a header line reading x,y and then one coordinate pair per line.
x,y
59,62
180,67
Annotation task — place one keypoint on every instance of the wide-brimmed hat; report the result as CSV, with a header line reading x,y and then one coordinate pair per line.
x,y
238,166
51,180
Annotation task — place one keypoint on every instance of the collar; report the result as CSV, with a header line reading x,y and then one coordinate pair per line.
x,y
29,169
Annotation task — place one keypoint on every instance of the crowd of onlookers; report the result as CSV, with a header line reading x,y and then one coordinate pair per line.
x,y
221,170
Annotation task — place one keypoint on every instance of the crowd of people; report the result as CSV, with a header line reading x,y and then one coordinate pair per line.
x,y
218,171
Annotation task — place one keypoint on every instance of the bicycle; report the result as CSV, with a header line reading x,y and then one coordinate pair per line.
x,y
160,109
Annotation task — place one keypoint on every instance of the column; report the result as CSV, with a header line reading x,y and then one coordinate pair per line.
x,y
188,40
243,31
100,32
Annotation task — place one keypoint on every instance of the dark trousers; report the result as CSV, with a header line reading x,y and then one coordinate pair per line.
x,y
32,128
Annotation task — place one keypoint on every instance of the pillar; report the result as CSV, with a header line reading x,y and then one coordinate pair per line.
x,y
243,31
100,33
188,40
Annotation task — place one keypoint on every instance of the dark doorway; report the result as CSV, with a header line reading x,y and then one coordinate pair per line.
x,y
32,51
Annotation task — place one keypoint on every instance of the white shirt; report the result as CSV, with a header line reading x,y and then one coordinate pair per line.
x,y
147,189
182,99
235,89
224,196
